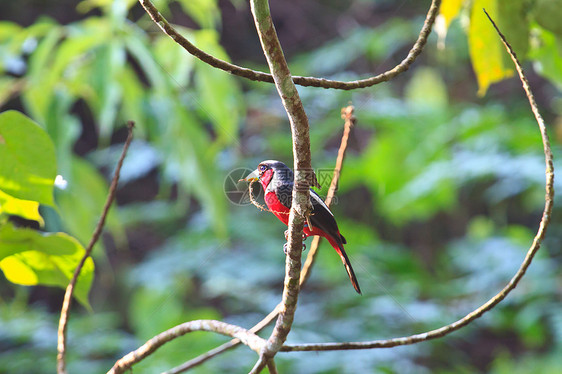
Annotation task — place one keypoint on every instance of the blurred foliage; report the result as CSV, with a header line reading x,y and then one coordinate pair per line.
x,y
439,198
27,178
529,26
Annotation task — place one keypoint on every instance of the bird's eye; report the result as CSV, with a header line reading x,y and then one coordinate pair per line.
x,y
263,168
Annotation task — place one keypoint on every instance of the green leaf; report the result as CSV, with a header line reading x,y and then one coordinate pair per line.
x,y
219,95
107,69
548,14
486,51
191,159
426,90
8,29
204,12
174,60
23,208
548,56
512,21
28,166
29,257
39,78
54,63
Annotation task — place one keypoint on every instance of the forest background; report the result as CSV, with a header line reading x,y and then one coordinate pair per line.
x,y
439,198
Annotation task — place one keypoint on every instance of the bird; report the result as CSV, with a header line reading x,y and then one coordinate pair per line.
x,y
277,180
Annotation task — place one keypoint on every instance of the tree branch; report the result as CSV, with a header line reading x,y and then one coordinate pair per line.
x,y
549,200
303,175
250,339
404,65
271,366
65,310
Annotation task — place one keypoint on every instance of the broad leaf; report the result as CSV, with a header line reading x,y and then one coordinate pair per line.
x,y
23,208
29,257
28,166
486,51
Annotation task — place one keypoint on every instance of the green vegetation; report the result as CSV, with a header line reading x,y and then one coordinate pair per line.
x,y
440,195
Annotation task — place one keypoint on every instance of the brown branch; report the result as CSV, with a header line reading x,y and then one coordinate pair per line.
x,y
404,65
347,115
271,367
250,339
65,310
545,220
300,206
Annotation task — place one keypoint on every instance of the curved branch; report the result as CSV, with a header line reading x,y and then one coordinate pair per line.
x,y
254,75
250,339
65,310
303,176
350,120
545,220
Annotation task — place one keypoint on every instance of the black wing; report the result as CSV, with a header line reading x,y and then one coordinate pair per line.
x,y
324,219
321,216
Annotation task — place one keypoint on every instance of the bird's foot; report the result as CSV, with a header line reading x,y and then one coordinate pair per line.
x,y
286,248
286,233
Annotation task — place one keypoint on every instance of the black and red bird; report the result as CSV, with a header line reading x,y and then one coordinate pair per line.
x,y
277,182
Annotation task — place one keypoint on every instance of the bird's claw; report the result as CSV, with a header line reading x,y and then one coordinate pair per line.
x,y
286,248
286,233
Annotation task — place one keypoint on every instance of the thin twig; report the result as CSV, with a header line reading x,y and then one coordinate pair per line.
x,y
250,339
404,65
350,120
65,310
545,220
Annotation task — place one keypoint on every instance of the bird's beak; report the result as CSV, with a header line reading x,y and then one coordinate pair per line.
x,y
254,176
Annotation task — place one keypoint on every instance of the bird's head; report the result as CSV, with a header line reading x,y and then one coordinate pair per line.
x,y
270,170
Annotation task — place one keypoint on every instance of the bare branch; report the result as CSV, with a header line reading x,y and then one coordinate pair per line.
x,y
271,366
549,200
65,310
250,339
300,206
404,65
347,115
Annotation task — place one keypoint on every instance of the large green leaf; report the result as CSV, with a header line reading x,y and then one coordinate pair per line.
x,y
23,208
29,257
28,166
